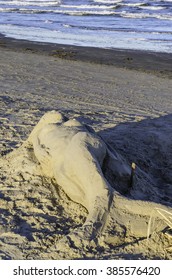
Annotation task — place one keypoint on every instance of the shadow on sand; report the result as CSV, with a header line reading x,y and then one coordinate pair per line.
x,y
148,144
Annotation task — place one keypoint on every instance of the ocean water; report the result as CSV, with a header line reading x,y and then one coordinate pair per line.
x,y
124,24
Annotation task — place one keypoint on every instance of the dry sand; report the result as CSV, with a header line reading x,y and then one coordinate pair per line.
x,y
130,109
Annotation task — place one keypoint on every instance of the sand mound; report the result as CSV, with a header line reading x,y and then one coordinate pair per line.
x,y
66,190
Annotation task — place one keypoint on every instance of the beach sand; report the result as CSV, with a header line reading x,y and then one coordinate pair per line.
x,y
126,97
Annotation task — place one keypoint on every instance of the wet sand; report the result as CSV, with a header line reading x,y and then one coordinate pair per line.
x,y
156,63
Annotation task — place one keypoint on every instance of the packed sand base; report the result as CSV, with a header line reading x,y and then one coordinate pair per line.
x,y
130,111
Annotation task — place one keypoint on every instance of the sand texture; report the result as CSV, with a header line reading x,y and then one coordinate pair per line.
x,y
130,111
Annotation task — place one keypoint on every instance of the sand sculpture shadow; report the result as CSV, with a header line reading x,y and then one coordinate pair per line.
x,y
91,173
148,144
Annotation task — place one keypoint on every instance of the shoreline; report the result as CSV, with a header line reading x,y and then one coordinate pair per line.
x,y
156,63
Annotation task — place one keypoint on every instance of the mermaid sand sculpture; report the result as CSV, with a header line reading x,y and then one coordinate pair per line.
x,y
75,156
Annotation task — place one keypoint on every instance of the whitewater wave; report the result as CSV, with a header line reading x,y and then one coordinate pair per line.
x,y
9,10
100,12
59,11
108,1
84,13
31,3
154,8
146,15
87,6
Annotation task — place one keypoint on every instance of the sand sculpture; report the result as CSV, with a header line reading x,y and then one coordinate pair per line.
x,y
77,158
74,155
